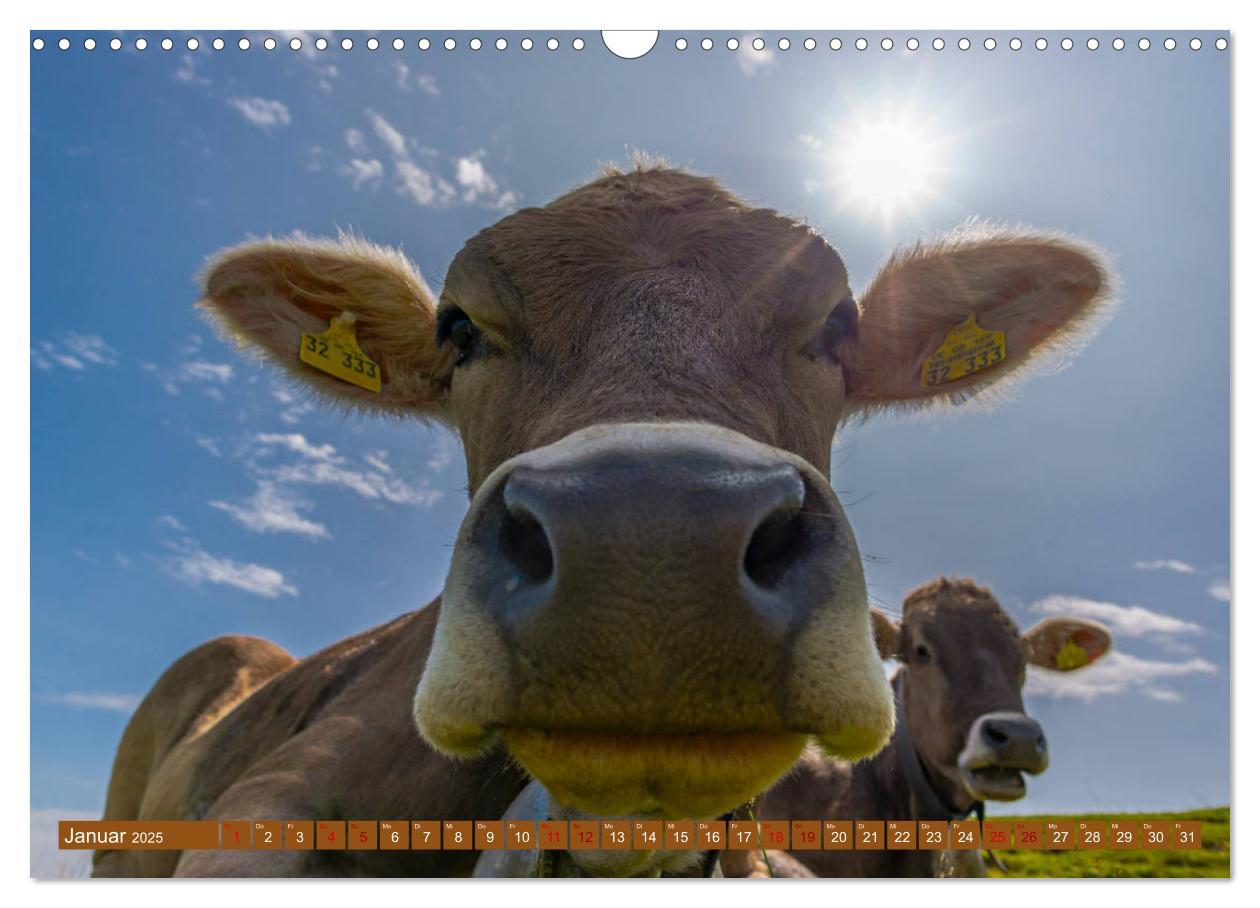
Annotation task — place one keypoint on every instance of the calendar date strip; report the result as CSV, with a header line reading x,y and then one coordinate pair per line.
x,y
629,835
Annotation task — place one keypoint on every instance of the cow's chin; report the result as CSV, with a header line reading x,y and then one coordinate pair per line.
x,y
667,775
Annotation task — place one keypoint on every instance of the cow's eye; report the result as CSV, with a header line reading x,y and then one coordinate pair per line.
x,y
922,653
841,325
455,327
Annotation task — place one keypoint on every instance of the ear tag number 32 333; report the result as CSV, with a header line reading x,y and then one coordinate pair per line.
x,y
966,350
337,352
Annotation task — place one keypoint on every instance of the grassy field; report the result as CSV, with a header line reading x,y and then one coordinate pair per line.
x,y
1211,861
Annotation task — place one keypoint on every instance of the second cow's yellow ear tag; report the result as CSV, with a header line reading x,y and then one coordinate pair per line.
x,y
337,352
966,350
1070,656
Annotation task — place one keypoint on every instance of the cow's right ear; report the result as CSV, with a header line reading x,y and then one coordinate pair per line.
x,y
887,635
268,294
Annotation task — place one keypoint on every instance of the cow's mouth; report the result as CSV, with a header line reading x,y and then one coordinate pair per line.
x,y
995,783
673,775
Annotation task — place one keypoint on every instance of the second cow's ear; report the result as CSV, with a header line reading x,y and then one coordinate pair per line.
x,y
887,635
946,318
1065,644
268,294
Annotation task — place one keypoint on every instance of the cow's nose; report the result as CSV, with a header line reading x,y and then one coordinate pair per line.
x,y
621,522
1015,740
678,535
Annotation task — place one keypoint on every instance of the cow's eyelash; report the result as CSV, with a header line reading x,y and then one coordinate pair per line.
x,y
455,327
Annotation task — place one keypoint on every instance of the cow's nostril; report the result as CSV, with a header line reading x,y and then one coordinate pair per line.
x,y
524,542
778,543
994,736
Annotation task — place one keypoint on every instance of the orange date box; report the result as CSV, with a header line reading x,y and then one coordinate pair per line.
x,y
964,835
837,835
553,835
615,835
268,834
522,835
680,835
806,835
1091,835
1124,834
649,835
330,835
1187,834
1060,835
457,835
741,835
583,835
361,835
901,835
426,835
1156,834
488,835
868,835
933,835
299,835
233,834
775,834
1029,834
711,833
392,835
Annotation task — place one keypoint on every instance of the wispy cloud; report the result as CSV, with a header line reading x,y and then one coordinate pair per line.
x,y
1121,620
810,141
294,407
410,83
1116,673
75,352
322,465
272,509
191,564
192,371
1166,564
110,702
751,61
188,72
472,183
264,113
1220,591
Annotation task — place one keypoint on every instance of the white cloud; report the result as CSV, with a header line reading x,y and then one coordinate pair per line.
x,y
1165,564
274,510
752,61
76,352
1220,591
427,84
420,185
110,702
1121,620
122,560
394,140
264,113
187,72
195,371
442,453
810,141
356,141
364,173
294,407
209,445
195,566
322,465
477,184
1115,673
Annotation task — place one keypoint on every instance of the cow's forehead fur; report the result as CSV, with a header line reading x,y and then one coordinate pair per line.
x,y
626,227
946,601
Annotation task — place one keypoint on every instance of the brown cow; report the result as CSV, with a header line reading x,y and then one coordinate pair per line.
x,y
962,735
655,600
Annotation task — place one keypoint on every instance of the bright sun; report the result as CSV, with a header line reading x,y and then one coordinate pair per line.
x,y
889,163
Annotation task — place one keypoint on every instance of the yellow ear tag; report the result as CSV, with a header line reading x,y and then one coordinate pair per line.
x,y
337,352
966,350
1070,656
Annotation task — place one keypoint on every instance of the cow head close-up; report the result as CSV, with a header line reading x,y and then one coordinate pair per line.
x,y
961,677
655,600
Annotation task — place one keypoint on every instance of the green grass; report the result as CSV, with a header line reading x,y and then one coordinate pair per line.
x,y
1211,861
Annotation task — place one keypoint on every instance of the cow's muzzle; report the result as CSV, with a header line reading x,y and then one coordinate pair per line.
x,y
655,616
1000,748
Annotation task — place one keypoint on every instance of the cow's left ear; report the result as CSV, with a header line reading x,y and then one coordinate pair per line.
x,y
1065,644
887,634
944,319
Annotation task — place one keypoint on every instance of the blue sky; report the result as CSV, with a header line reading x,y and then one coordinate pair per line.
x,y
180,492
